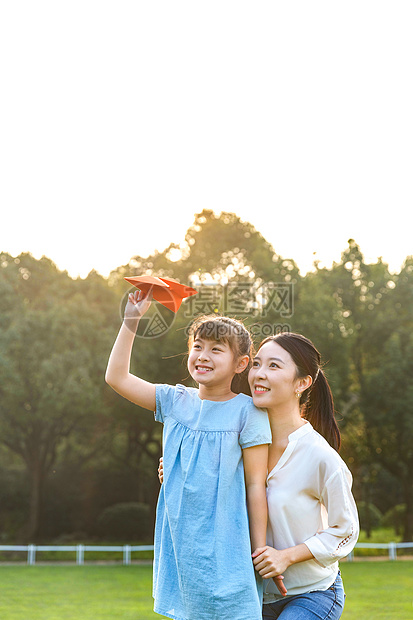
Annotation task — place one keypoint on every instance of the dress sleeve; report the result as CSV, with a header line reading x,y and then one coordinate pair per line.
x,y
165,396
256,428
338,539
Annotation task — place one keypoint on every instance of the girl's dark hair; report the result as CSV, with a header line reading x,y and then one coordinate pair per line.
x,y
317,404
233,333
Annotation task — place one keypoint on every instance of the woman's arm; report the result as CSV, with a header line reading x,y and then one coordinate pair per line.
x,y
339,537
117,374
326,546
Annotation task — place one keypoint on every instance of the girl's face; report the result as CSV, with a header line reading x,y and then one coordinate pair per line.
x,y
273,377
212,363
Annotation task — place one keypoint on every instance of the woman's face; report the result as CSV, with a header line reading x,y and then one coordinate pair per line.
x,y
273,376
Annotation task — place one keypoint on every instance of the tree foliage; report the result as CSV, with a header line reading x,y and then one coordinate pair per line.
x,y
61,427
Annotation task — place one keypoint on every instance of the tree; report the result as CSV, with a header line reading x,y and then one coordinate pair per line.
x,y
220,252
388,417
56,333
50,370
319,316
388,396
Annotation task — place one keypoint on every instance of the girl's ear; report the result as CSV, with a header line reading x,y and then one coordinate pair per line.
x,y
242,363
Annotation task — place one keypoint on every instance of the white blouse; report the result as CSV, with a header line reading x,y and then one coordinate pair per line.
x,y
310,501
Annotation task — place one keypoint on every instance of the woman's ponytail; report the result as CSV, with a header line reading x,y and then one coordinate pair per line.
x,y
318,409
240,383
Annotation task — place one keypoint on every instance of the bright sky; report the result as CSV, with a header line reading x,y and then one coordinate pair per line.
x,y
121,119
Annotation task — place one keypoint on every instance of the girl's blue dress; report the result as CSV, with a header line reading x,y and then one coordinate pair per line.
x,y
202,566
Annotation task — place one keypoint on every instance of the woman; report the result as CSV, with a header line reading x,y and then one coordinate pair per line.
x,y
312,516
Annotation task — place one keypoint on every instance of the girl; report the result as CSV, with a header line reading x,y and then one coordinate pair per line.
x,y
215,465
313,520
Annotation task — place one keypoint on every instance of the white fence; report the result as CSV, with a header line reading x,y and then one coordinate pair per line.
x,y
127,550
80,550
392,548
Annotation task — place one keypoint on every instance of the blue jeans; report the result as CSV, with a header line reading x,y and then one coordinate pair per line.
x,y
317,605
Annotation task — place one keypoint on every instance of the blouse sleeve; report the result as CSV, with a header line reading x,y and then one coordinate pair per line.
x,y
256,428
338,539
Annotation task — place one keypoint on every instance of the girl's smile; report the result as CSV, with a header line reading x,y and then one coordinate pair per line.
x,y
202,369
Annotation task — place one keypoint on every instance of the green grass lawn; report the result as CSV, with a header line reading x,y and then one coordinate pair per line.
x,y
76,593
378,590
375,590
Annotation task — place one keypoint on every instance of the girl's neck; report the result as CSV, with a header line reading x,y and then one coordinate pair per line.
x,y
284,421
215,393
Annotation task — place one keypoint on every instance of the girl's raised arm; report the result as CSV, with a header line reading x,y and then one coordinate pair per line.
x,y
117,375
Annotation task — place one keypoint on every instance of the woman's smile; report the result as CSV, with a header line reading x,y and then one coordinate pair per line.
x,y
260,389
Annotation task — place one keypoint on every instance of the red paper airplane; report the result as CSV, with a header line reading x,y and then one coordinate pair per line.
x,y
169,293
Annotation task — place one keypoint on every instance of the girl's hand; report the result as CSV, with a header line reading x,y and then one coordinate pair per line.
x,y
137,304
160,470
259,559
270,563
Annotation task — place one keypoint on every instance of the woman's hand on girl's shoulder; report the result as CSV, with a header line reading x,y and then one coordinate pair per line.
x,y
160,470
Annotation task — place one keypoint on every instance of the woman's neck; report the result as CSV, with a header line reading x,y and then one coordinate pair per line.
x,y
285,420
